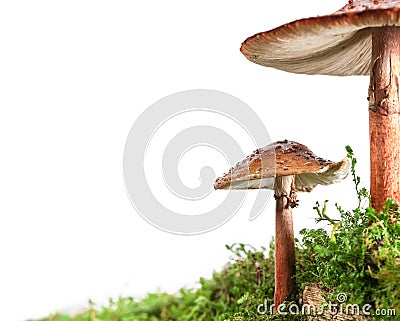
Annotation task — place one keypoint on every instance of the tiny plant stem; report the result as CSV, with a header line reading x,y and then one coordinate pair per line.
x,y
384,116
284,241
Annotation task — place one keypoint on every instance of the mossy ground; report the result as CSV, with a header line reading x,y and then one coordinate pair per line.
x,y
360,257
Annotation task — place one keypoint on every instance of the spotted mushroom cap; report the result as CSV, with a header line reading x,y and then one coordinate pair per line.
x,y
283,158
337,44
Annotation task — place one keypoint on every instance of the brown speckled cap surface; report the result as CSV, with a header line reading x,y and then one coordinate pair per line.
x,y
337,44
283,158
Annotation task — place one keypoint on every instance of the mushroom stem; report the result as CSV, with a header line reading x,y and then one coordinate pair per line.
x,y
284,240
384,116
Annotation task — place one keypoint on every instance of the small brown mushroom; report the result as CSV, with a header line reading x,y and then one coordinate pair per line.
x,y
285,167
361,38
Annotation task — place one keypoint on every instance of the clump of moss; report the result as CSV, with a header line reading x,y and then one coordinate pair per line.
x,y
360,257
244,282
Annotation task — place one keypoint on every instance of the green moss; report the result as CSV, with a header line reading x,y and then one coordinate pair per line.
x,y
360,257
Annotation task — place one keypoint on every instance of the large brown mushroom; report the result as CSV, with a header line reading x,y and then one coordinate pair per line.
x,y
361,38
286,167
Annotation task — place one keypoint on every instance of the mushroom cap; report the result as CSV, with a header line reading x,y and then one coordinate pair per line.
x,y
337,44
283,158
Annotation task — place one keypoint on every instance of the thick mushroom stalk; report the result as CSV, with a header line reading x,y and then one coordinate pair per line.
x,y
362,38
285,167
384,116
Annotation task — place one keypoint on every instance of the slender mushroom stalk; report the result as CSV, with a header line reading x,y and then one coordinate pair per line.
x,y
285,264
286,167
362,38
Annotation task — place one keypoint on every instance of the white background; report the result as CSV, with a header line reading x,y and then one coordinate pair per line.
x,y
74,76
